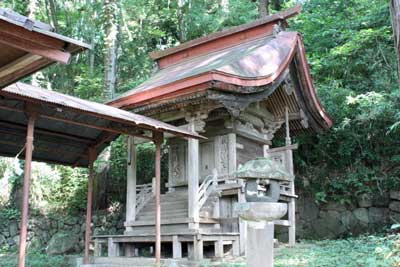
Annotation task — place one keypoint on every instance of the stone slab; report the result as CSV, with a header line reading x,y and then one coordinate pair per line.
x,y
395,195
395,206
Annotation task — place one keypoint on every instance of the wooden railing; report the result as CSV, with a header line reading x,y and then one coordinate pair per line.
x,y
207,187
144,192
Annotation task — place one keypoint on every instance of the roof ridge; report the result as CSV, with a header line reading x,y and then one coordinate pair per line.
x,y
282,15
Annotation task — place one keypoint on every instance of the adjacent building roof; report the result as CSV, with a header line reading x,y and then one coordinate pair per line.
x,y
67,126
27,46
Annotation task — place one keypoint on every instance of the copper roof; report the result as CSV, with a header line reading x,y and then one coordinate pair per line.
x,y
27,46
245,64
67,126
255,60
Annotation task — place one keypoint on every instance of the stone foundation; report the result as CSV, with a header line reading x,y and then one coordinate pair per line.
x,y
59,234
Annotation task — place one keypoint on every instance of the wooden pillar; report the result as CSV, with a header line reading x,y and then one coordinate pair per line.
x,y
193,178
129,249
97,248
176,248
92,158
131,183
198,248
113,248
219,248
25,190
236,248
242,223
158,138
232,154
289,167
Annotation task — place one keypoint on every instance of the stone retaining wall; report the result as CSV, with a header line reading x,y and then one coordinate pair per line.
x,y
59,234
65,234
370,213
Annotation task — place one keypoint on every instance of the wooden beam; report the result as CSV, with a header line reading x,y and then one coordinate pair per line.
x,y
33,42
18,64
20,73
35,48
131,131
51,133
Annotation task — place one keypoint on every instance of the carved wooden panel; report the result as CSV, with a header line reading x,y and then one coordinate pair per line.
x,y
177,164
222,154
207,159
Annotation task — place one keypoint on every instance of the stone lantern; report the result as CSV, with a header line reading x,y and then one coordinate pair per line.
x,y
261,209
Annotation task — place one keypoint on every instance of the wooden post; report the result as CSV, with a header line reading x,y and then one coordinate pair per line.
x,y
242,223
158,138
92,158
219,248
176,248
193,177
289,167
25,190
131,183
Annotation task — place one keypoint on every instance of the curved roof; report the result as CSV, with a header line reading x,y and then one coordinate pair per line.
x,y
252,65
250,62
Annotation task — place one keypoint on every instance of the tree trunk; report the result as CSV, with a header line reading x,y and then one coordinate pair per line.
x,y
110,47
276,4
51,7
395,11
263,8
181,21
32,9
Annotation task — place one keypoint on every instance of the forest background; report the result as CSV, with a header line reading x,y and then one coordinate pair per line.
x,y
350,50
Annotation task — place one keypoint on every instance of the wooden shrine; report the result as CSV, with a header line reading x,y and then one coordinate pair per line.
x,y
240,88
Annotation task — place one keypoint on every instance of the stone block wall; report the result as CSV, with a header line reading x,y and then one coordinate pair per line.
x,y
59,234
370,213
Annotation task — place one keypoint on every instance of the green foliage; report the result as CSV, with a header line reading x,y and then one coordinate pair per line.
x,y
9,213
68,192
351,53
367,251
33,259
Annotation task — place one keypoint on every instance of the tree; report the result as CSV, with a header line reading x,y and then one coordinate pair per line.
x,y
263,6
111,28
395,12
181,21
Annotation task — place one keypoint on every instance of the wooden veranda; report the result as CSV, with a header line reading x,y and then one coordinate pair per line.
x,y
72,132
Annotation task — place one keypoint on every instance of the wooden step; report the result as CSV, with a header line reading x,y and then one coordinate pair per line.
x,y
165,213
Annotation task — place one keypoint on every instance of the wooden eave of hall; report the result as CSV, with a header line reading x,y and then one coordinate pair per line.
x,y
245,64
27,46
